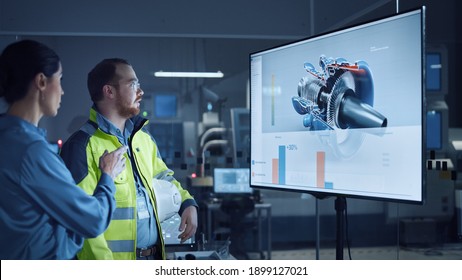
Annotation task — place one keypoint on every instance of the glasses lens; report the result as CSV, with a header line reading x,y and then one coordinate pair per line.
x,y
135,86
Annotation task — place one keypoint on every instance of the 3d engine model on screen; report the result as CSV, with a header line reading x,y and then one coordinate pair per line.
x,y
340,96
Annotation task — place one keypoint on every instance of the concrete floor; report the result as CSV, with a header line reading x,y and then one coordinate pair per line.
x,y
444,252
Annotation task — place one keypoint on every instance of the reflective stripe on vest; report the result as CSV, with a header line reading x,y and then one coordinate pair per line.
x,y
118,246
124,213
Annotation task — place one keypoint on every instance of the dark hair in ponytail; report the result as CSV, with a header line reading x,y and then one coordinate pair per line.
x,y
20,62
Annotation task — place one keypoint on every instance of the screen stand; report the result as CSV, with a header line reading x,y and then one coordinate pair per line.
x,y
318,239
340,203
340,207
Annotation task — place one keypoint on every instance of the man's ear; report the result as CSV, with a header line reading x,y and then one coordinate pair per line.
x,y
108,91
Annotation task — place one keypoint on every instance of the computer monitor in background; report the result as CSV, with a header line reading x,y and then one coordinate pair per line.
x,y
436,85
343,113
227,181
240,132
434,125
165,106
169,140
437,129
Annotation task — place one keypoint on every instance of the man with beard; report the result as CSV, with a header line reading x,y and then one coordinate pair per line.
x,y
134,232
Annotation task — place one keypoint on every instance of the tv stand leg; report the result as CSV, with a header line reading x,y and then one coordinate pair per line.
x,y
340,203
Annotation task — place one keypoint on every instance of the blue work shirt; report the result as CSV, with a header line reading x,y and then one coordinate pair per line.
x,y
43,213
146,226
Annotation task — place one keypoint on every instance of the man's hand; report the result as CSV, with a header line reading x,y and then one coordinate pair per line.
x,y
113,163
188,224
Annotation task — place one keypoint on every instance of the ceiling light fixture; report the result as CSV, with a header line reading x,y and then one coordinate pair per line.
x,y
163,74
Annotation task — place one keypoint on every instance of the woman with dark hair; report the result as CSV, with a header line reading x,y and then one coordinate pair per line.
x,y
43,214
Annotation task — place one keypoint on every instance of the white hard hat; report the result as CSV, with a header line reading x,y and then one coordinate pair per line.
x,y
168,199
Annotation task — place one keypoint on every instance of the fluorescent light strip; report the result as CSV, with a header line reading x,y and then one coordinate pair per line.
x,y
163,74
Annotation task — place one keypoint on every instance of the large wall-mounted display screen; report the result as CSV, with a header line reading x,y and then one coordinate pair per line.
x,y
342,113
